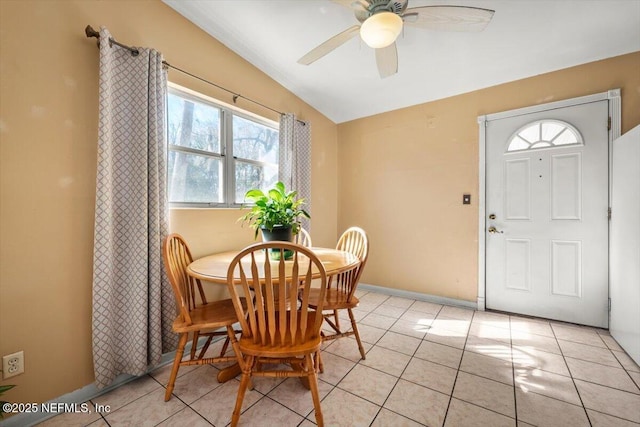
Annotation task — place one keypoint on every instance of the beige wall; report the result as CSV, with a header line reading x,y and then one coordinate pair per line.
x,y
402,175
48,131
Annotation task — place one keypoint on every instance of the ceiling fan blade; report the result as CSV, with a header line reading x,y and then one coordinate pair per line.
x,y
359,8
448,18
329,45
360,4
387,60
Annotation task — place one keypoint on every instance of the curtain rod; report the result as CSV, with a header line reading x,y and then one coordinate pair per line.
x,y
90,32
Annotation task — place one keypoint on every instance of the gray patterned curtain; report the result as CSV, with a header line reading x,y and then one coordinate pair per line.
x,y
133,304
295,159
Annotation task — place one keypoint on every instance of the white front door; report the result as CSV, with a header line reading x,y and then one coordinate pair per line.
x,y
547,184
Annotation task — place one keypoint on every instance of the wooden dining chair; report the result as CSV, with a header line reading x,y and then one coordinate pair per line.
x,y
303,238
198,318
340,294
273,331
182,257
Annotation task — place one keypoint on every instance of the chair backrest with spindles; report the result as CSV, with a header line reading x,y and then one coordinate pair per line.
x,y
269,287
303,238
177,257
354,240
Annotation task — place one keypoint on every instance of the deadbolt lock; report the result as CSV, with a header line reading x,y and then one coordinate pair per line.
x,y
492,216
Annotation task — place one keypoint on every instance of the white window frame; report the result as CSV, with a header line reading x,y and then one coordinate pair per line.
x,y
227,112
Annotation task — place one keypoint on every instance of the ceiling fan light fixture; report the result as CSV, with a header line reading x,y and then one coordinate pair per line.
x,y
381,30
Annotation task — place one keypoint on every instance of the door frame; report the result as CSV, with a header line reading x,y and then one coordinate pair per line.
x,y
615,113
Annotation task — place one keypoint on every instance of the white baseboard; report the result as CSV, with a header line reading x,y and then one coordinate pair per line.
x,y
419,296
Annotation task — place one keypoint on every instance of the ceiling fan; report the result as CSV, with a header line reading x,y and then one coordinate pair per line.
x,y
381,21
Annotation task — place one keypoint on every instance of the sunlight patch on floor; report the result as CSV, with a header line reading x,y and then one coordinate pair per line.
x,y
422,325
498,351
492,332
525,379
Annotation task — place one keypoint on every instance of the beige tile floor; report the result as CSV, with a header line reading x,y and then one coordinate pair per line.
x,y
426,364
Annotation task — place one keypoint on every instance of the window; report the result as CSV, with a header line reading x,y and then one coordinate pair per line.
x,y
544,134
217,153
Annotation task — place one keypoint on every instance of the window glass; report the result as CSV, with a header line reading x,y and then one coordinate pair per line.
x,y
194,178
255,146
193,124
550,130
544,134
565,138
252,175
530,134
216,154
518,143
254,141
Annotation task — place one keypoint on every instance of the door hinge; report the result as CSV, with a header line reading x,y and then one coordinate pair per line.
x,y
608,213
609,123
609,305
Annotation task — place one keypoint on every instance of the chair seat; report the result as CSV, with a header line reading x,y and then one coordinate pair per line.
x,y
335,300
286,348
214,315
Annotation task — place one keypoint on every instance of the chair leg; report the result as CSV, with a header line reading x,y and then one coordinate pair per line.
x,y
194,344
319,365
244,384
176,365
205,347
313,385
225,347
337,319
231,334
356,333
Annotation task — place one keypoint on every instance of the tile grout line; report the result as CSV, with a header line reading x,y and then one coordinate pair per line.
x,y
101,415
608,386
557,340
400,377
513,373
613,416
358,362
178,397
455,380
569,370
613,352
570,373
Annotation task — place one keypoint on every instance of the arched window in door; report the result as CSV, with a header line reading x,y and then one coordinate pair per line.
x,y
544,134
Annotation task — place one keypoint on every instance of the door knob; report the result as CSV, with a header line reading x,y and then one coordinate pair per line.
x,y
492,229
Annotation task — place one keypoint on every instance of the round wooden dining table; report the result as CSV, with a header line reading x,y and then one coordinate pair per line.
x,y
214,268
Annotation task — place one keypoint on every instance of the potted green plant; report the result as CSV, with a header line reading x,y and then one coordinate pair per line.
x,y
3,408
277,213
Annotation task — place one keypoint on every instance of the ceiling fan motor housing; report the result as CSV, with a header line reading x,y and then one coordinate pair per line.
x,y
376,6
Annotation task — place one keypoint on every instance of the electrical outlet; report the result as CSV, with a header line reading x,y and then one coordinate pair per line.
x,y
12,364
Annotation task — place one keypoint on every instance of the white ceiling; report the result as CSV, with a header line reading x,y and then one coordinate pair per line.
x,y
525,38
